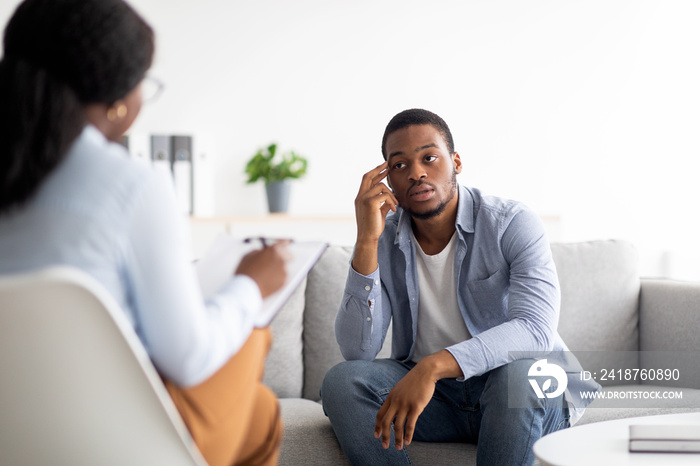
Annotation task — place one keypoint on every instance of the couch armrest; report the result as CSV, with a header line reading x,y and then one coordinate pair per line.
x,y
669,323
669,315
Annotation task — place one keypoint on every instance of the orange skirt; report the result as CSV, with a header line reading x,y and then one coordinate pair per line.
x,y
232,416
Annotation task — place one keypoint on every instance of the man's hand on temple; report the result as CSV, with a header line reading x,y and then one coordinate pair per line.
x,y
372,204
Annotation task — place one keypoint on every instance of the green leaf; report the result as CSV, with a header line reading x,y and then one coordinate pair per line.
x,y
264,165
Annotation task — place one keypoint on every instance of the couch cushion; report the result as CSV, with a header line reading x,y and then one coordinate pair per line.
x,y
669,316
599,295
669,319
308,436
429,453
324,292
284,367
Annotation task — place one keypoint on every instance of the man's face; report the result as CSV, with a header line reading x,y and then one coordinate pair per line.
x,y
422,172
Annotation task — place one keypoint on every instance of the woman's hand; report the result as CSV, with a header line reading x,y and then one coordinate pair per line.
x,y
267,267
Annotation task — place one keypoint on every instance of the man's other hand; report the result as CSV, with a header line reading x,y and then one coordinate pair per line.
x,y
407,400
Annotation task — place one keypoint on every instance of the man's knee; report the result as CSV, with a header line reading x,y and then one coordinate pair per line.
x,y
342,378
352,382
514,386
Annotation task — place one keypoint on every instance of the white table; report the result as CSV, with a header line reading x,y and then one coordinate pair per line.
x,y
606,443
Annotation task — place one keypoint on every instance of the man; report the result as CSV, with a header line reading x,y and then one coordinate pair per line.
x,y
467,280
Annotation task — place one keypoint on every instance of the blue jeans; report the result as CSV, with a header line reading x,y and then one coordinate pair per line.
x,y
474,411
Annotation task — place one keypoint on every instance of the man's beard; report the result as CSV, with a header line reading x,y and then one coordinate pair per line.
x,y
439,209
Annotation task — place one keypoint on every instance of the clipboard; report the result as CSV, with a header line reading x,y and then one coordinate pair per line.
x,y
219,263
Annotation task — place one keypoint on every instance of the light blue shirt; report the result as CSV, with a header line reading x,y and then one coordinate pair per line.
x,y
507,285
119,221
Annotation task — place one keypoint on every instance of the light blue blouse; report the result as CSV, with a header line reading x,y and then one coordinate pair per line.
x,y
119,221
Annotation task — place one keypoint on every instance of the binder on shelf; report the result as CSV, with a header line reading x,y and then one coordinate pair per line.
x,y
124,141
137,144
182,171
161,153
203,174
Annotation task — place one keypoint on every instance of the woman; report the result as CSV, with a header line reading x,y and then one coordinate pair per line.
x,y
70,85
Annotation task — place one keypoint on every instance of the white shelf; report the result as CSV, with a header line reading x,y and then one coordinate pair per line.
x,y
338,230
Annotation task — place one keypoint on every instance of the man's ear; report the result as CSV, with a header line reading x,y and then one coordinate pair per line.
x,y
458,162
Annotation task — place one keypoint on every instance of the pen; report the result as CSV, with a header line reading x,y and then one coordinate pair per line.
x,y
266,241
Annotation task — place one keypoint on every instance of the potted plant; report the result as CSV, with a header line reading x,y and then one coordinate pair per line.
x,y
276,171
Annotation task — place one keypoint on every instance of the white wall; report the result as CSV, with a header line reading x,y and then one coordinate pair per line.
x,y
583,109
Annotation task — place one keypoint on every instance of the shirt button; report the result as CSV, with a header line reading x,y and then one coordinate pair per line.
x,y
367,288
376,282
369,319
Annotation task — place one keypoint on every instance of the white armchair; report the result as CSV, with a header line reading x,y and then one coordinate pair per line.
x,y
76,385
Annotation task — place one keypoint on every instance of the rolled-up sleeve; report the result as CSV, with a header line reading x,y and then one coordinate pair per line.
x,y
359,322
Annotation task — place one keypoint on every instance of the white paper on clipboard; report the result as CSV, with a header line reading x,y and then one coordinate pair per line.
x,y
221,259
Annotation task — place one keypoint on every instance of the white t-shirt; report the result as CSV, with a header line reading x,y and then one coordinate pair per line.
x,y
440,322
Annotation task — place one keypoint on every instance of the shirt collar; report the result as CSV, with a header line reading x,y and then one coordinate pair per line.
x,y
465,218
465,210
94,136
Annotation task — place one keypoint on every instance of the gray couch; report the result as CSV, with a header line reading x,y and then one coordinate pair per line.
x,y
606,308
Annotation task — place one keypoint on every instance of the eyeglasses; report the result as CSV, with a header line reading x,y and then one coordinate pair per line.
x,y
151,89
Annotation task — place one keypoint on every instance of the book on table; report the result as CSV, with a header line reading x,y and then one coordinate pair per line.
x,y
665,438
221,259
